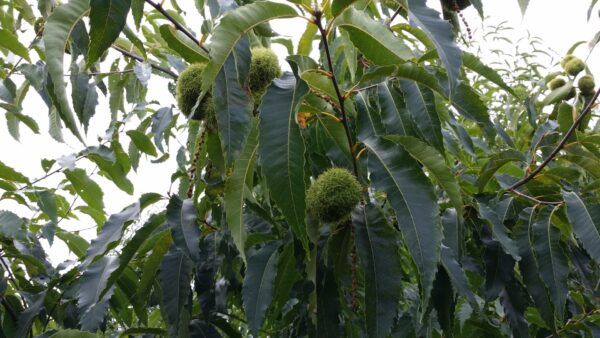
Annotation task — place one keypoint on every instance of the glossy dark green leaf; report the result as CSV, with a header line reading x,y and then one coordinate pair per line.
x,y
150,270
475,64
182,219
552,261
584,219
457,275
232,101
130,249
257,292
440,33
372,38
91,307
233,26
137,11
411,196
377,248
105,159
111,233
394,114
281,150
338,6
28,316
468,103
107,19
234,190
175,279
57,29
89,190
499,231
420,103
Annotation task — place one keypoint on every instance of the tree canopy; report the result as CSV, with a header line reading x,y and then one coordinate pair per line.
x,y
387,181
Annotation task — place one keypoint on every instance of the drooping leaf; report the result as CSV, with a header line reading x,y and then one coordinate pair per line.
x,y
551,259
440,33
175,279
150,269
373,39
160,121
257,291
130,249
457,275
11,42
93,280
281,150
435,163
411,196
420,103
182,45
89,190
377,249
394,114
107,19
105,159
112,231
499,231
234,190
584,219
232,102
233,26
410,71
57,30
182,219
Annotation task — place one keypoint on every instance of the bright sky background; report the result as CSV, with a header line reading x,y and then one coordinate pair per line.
x,y
559,23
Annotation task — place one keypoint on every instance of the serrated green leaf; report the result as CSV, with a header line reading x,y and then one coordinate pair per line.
x,y
473,63
28,316
233,26
584,219
11,225
111,233
281,150
232,102
435,163
410,71
175,279
150,269
394,114
440,33
499,231
12,175
89,190
377,247
496,162
257,291
551,259
142,142
182,219
160,121
74,242
420,103
234,190
338,6
411,196
57,30
182,45
91,307
373,39
11,42
107,19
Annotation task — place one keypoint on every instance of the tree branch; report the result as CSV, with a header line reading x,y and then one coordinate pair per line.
x,y
340,97
177,25
560,145
141,59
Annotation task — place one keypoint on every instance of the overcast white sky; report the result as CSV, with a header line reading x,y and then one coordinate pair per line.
x,y
558,24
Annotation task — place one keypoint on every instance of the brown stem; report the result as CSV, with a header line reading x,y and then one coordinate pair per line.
x,y
560,146
141,59
177,25
340,97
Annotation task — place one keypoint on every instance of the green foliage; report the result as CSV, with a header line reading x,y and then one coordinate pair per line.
x,y
189,87
333,195
461,189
